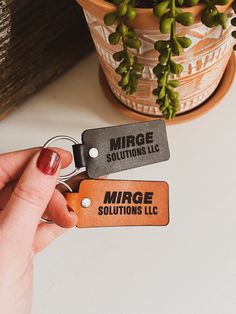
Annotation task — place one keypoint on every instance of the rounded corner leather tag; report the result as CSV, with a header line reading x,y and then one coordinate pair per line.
x,y
110,203
117,148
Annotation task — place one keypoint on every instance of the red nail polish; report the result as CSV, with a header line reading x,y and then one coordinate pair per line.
x,y
48,161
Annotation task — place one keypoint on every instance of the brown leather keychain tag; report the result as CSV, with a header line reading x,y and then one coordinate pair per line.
x,y
108,203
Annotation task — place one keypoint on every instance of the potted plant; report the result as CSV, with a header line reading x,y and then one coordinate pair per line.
x,y
162,57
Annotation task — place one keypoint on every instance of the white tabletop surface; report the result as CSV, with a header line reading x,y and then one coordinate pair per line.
x,y
188,267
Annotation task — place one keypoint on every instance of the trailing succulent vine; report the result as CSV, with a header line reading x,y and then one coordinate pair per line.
x,y
167,97
129,67
167,70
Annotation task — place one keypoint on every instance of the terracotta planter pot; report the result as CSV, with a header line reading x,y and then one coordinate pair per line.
x,y
204,62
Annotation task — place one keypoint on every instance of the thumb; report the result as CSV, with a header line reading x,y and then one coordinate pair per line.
x,y
31,196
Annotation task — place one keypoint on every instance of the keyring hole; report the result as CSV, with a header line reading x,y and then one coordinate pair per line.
x,y
93,153
86,202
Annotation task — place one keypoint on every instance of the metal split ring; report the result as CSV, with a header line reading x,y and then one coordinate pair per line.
x,y
68,138
62,178
49,221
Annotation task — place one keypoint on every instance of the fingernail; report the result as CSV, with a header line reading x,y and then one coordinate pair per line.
x,y
48,161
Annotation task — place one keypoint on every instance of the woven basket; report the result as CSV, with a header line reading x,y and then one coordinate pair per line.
x,y
39,40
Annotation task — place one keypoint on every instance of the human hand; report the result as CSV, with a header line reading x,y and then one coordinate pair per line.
x,y
27,190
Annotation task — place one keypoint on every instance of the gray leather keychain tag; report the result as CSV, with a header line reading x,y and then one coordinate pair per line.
x,y
112,149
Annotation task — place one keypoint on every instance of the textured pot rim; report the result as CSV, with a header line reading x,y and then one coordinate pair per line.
x,y
142,13
210,103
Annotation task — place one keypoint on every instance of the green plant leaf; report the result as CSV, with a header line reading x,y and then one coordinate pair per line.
x,y
110,18
185,18
176,68
165,25
160,8
131,13
114,38
185,42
